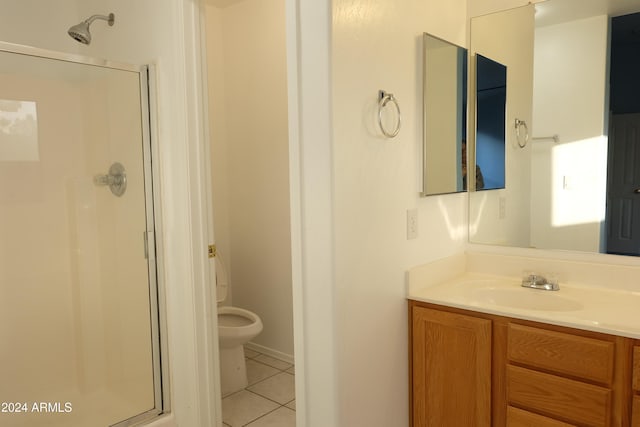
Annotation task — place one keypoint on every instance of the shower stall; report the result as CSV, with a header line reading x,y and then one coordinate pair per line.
x,y
79,316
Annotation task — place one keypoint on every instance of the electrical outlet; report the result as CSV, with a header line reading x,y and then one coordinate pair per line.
x,y
412,224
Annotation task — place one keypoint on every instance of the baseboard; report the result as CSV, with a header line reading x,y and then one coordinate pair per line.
x,y
270,352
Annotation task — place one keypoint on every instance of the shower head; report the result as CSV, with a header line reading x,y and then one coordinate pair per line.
x,y
81,32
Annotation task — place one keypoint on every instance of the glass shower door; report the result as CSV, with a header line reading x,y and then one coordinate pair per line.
x,y
79,342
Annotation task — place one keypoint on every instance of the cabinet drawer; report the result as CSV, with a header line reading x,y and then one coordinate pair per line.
x,y
581,357
558,397
521,418
636,368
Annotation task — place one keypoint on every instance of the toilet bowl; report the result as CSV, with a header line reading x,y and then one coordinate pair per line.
x,y
236,327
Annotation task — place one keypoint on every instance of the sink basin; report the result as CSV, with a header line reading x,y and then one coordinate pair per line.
x,y
527,299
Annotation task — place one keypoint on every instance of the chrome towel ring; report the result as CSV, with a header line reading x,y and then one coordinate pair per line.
x,y
522,124
383,99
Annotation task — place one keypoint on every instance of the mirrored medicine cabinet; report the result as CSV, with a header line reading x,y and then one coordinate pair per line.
x,y
445,116
445,104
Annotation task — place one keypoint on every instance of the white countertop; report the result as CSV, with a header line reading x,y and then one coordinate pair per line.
x,y
601,309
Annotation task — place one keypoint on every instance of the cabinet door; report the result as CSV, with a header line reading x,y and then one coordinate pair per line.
x,y
635,417
636,369
451,383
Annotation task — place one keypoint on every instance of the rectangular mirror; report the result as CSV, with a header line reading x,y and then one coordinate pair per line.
x,y
445,116
491,102
573,79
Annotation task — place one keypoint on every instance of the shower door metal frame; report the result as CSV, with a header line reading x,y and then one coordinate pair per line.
x,y
146,74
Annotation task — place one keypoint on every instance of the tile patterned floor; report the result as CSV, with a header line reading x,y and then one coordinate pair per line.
x,y
268,400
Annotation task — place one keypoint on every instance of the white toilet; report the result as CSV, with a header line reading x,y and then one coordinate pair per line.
x,y
235,328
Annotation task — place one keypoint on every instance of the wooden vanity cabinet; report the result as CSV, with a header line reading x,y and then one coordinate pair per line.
x,y
475,369
635,384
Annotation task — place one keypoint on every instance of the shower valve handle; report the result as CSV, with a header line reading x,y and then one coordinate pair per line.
x,y
116,179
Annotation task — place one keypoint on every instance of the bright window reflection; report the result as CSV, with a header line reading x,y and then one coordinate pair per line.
x,y
18,131
579,173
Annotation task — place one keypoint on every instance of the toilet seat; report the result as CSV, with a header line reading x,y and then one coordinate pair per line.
x,y
237,326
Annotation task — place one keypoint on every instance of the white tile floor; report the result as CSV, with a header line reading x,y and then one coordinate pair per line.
x,y
268,400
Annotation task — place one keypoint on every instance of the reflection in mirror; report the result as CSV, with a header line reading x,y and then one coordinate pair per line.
x,y
445,120
582,165
18,131
491,100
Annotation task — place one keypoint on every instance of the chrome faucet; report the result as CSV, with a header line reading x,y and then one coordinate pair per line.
x,y
535,281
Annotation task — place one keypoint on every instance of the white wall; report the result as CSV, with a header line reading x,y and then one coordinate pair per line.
x,y
484,7
250,161
564,212
40,23
377,45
